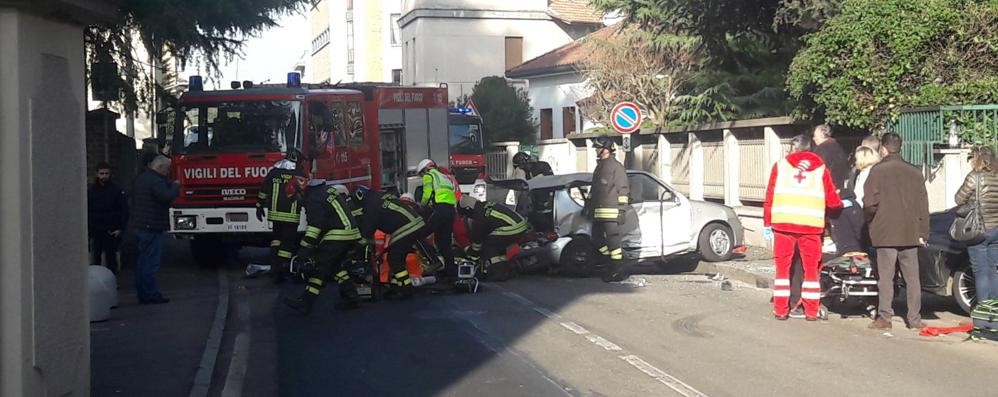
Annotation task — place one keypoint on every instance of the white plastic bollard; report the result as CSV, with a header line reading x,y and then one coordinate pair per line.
x,y
102,289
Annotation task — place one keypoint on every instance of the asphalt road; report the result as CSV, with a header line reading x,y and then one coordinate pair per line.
x,y
546,336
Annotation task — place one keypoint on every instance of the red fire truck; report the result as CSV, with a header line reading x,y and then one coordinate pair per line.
x,y
225,141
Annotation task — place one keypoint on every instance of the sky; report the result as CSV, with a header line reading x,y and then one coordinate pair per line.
x,y
269,56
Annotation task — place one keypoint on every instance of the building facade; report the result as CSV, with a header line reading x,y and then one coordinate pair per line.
x,y
457,42
355,41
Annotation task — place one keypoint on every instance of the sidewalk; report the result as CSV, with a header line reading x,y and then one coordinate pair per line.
x,y
756,269
154,350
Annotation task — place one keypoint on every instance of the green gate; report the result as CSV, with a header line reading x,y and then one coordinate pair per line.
x,y
923,129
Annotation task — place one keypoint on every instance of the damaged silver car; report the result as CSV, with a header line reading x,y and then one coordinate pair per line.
x,y
660,223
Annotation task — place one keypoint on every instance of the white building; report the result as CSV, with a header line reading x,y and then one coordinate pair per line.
x,y
355,41
556,89
458,42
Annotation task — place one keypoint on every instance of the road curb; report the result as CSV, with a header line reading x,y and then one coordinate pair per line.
x,y
202,380
735,273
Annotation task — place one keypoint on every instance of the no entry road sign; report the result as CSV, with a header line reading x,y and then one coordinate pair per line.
x,y
625,117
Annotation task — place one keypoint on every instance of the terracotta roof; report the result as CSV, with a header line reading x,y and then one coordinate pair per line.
x,y
558,60
574,11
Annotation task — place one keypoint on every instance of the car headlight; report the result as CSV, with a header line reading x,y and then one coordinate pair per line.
x,y
185,222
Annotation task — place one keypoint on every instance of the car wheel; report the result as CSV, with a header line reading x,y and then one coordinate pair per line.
x,y
963,289
208,252
716,243
578,258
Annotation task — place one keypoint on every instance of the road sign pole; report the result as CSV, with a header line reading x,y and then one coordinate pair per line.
x,y
627,143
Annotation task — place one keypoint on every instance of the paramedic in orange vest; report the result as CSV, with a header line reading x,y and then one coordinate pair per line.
x,y
800,189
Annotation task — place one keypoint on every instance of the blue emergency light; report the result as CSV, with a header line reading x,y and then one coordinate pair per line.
x,y
464,110
294,79
194,83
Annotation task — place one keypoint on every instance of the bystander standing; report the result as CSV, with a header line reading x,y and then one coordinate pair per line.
x,y
107,214
154,193
983,182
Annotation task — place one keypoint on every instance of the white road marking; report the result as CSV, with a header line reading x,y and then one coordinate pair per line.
x,y
664,378
575,328
661,376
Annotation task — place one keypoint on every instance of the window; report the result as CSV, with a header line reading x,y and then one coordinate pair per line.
x,y
350,53
646,189
395,29
350,4
546,127
233,127
567,120
397,76
514,52
355,123
326,124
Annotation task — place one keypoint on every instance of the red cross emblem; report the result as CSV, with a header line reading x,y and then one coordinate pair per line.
x,y
800,176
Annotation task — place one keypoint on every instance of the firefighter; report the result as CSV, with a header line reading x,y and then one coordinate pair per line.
x,y
493,229
528,167
332,234
394,217
438,192
607,203
283,211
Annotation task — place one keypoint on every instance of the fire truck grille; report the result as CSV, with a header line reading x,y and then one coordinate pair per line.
x,y
235,194
467,175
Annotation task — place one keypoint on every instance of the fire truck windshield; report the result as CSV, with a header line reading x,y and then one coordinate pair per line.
x,y
466,139
239,127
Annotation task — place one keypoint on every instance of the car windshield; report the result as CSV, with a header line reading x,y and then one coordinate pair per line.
x,y
239,127
466,139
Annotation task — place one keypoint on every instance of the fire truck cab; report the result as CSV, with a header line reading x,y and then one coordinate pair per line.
x,y
225,141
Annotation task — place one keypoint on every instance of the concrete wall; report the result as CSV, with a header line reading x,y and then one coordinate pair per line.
x,y
459,42
729,163
44,332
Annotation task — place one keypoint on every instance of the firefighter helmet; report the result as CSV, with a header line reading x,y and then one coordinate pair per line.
x,y
424,165
293,155
603,142
341,189
295,186
360,193
520,159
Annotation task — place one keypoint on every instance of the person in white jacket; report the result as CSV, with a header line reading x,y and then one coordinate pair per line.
x,y
865,159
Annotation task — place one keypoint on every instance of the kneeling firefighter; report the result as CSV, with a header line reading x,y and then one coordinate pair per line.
x,y
331,235
282,211
493,229
607,203
402,224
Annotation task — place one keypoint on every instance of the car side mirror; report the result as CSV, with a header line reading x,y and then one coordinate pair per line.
x,y
667,196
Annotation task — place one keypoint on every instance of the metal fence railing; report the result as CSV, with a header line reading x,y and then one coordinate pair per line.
x,y
496,163
922,129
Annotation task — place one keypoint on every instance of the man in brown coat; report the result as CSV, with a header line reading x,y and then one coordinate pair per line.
x,y
897,208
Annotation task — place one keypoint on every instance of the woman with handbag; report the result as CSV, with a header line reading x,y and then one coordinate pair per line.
x,y
980,190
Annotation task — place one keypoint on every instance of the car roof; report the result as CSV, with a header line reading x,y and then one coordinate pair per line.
x,y
559,181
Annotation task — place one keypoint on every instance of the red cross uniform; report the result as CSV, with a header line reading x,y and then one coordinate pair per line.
x,y
800,189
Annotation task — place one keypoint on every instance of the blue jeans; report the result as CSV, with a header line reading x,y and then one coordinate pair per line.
x,y
984,262
150,247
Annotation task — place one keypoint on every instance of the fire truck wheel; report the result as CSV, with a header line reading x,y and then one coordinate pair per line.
x,y
207,252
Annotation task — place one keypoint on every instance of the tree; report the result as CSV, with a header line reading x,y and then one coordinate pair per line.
x,y
622,65
204,32
506,111
879,56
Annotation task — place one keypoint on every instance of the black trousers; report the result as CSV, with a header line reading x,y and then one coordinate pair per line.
x,y
397,252
283,245
847,230
441,225
494,256
607,240
329,260
105,245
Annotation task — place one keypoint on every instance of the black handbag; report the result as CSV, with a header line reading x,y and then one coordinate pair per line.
x,y
969,224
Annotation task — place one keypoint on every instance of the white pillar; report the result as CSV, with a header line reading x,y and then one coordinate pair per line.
x,y
774,149
663,162
697,172
732,174
954,170
512,148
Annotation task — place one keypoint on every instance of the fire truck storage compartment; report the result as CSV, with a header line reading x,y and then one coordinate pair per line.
x,y
422,134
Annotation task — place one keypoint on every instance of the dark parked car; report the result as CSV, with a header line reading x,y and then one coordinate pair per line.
x,y
944,264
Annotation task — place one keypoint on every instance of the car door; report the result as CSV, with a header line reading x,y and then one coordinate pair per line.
x,y
664,218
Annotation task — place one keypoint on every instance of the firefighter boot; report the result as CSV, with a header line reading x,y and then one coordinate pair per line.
x,y
615,271
303,304
401,286
499,269
349,297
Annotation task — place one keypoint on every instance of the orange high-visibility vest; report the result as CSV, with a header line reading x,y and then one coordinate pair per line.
x,y
798,196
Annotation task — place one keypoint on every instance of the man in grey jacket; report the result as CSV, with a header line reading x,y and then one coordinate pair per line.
x,y
153,194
